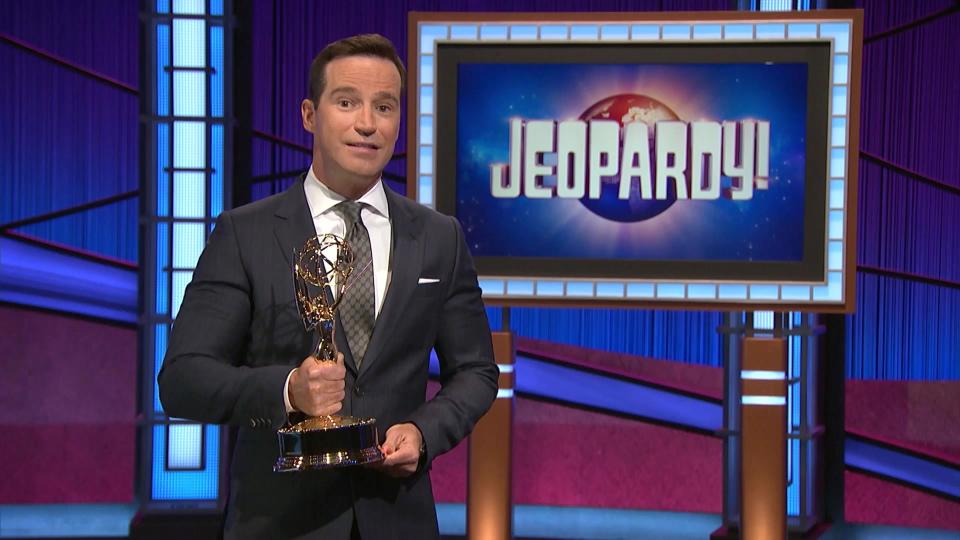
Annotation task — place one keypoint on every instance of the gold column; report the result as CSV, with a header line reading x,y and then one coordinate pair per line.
x,y
489,503
763,466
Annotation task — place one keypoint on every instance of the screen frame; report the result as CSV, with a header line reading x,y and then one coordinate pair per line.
x,y
843,28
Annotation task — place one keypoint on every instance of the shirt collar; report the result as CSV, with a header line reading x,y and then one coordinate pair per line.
x,y
321,198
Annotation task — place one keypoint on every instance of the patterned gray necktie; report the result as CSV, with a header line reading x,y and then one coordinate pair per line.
x,y
357,308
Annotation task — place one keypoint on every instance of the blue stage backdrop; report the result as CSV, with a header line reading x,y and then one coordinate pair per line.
x,y
69,138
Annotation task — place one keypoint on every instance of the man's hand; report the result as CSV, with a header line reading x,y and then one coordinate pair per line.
x,y
317,388
402,450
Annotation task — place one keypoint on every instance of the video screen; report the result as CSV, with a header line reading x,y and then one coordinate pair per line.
x,y
693,161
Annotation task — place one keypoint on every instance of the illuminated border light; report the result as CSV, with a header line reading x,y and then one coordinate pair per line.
x,y
505,393
764,400
761,375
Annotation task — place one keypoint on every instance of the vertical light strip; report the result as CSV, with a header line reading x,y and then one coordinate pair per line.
x,y
795,417
188,181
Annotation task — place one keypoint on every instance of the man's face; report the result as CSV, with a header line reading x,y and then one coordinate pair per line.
x,y
355,123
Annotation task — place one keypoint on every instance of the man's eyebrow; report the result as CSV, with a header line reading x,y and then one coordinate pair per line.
x,y
387,95
344,90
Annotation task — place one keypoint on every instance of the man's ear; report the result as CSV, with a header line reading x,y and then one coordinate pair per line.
x,y
308,114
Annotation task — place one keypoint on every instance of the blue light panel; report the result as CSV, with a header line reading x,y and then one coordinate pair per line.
x,y
163,162
161,333
189,7
493,31
163,78
802,31
554,32
584,32
707,31
429,34
524,32
189,192
198,195
646,32
189,145
216,77
163,262
216,176
180,281
616,32
676,31
464,31
189,93
185,446
188,241
426,100
549,288
185,485
189,43
771,31
738,31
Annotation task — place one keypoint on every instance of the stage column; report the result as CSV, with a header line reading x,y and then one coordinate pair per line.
x,y
489,504
763,416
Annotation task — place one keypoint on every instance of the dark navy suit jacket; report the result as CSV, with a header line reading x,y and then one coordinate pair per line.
x,y
238,334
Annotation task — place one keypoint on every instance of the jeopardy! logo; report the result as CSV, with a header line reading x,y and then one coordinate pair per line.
x,y
608,161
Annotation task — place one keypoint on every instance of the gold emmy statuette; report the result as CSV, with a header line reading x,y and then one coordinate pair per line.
x,y
323,442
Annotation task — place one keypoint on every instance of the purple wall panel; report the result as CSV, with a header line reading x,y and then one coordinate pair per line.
x,y
924,416
67,409
67,138
569,457
101,35
910,108
875,501
909,112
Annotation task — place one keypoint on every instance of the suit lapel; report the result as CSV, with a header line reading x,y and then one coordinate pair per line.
x,y
294,226
405,261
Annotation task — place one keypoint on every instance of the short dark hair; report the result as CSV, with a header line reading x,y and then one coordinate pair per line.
x,y
359,45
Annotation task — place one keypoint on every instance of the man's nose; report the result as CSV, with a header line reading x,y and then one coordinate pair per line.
x,y
364,122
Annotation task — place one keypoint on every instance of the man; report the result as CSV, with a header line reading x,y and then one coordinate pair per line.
x,y
238,351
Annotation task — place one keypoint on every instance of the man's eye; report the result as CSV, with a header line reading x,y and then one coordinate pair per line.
x,y
344,103
385,108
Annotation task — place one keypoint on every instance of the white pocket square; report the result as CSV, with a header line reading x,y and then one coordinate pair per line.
x,y
423,280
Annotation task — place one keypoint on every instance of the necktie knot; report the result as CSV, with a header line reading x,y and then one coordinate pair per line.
x,y
349,211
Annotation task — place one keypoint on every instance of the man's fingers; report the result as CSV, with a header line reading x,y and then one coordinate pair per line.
x,y
401,463
333,371
318,388
392,440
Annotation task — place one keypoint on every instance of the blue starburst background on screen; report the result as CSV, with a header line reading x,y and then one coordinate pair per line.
x,y
768,227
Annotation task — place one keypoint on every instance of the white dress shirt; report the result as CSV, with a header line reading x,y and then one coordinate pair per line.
x,y
376,218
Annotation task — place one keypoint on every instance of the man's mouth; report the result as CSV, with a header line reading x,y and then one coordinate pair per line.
x,y
363,145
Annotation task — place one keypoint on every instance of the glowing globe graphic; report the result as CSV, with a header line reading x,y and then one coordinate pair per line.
x,y
625,108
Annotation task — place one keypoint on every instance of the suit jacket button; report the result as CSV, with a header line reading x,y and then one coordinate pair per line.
x,y
357,391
